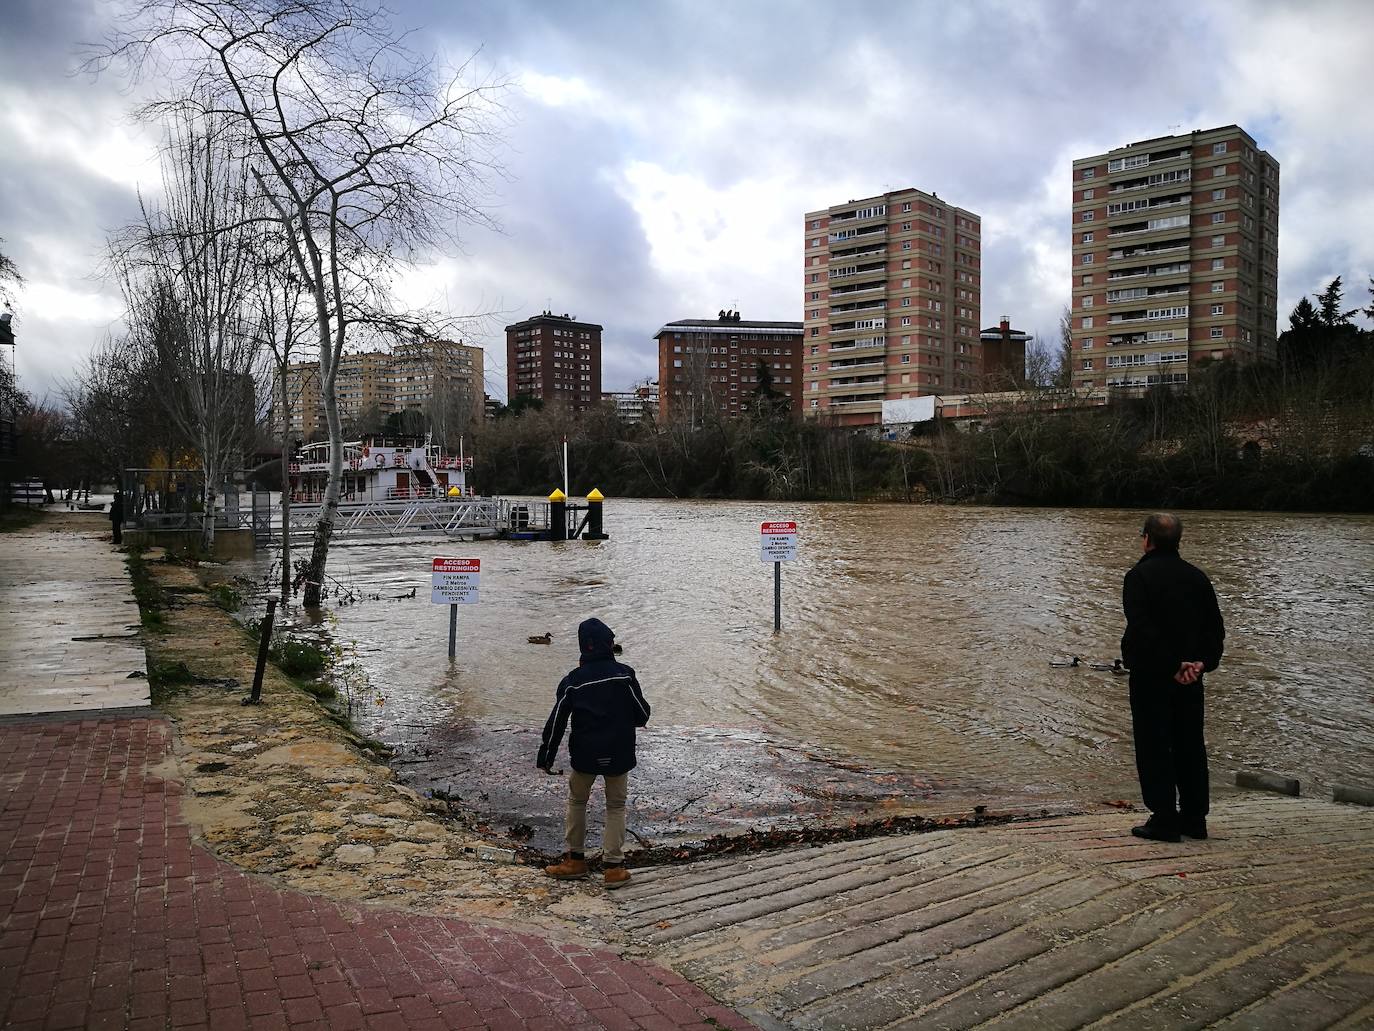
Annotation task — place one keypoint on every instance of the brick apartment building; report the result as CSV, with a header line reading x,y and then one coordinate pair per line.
x,y
892,288
556,359
1175,258
713,364
414,377
1004,356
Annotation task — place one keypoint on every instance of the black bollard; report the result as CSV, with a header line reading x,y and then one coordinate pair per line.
x,y
558,516
595,532
264,645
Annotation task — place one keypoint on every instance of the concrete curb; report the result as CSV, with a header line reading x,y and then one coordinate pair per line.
x,y
1352,794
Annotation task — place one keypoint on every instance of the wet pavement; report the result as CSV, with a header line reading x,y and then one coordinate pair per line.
x,y
690,784
69,628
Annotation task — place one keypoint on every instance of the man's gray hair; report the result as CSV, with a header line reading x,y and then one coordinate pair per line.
x,y
1164,530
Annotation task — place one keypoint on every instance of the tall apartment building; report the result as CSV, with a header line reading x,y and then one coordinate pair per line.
x,y
892,288
556,359
712,365
440,378
1175,258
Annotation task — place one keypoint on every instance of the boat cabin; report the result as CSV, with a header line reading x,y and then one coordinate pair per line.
x,y
380,468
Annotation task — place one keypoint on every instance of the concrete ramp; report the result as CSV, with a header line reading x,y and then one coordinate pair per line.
x,y
1066,922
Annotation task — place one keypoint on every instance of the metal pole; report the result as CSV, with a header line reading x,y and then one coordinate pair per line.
x,y
777,597
452,631
264,645
565,467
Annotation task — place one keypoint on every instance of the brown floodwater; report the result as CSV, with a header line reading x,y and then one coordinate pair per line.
x,y
913,670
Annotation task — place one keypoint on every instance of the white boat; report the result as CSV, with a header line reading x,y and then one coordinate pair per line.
x,y
380,468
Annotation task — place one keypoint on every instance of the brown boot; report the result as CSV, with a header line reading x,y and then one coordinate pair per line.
x,y
568,869
616,877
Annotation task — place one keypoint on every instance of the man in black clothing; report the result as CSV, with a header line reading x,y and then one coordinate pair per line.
x,y
117,517
603,700
1174,634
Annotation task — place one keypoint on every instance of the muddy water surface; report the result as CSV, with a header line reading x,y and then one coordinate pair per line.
x,y
913,671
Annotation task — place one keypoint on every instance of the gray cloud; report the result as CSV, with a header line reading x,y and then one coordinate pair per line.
x,y
663,155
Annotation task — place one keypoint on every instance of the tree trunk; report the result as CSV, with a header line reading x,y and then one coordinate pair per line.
x,y
285,493
324,526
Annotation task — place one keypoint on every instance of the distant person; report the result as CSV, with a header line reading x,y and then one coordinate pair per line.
x,y
117,517
1174,634
603,700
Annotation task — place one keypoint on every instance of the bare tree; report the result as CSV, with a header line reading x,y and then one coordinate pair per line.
x,y
187,271
283,324
10,279
368,153
1063,366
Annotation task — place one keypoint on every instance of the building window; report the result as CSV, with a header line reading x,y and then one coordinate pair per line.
x,y
1087,238
1218,241
816,242
1086,216
1218,263
1218,148
1218,217
1088,301
906,227
1218,288
1088,343
1087,364
1089,173
906,302
1218,195
906,205
815,332
906,245
1087,322
1219,171
906,320
815,402
1087,259
1086,280
1216,332
1087,194
1218,309
906,263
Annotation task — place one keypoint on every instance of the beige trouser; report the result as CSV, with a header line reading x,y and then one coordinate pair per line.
x,y
579,790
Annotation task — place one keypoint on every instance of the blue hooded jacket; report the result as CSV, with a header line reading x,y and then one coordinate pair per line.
x,y
603,700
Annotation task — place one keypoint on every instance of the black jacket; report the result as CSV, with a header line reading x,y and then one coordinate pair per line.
x,y
604,702
1171,617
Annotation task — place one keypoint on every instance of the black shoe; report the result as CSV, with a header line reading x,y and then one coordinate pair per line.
x,y
1156,831
1195,829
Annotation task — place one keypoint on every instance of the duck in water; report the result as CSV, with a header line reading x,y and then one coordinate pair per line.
x,y
1115,668
1067,663
541,639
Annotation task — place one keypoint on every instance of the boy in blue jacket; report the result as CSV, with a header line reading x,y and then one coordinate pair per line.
x,y
603,700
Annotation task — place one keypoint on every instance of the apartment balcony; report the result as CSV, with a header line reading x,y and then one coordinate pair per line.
x,y
858,289
847,256
859,382
876,304
869,269
861,344
1145,251
855,219
848,237
856,363
1159,181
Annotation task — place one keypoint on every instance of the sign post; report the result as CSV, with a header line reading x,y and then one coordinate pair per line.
x,y
777,544
453,582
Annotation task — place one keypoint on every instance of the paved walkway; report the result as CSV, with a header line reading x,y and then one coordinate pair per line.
x,y
110,917
68,624
1068,922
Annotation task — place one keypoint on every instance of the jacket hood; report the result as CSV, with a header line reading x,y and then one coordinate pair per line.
x,y
595,640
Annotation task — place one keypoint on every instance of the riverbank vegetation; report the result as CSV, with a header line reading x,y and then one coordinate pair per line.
x,y
1295,434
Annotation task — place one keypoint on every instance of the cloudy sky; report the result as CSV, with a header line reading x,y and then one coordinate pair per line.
x,y
660,155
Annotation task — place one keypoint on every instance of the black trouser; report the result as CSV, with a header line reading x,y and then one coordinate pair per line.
x,y
1170,754
118,532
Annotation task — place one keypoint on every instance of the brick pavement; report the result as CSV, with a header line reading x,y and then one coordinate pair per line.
x,y
110,917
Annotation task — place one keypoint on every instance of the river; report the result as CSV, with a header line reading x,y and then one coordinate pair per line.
x,y
912,674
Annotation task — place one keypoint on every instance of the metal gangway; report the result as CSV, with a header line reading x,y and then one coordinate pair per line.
x,y
404,518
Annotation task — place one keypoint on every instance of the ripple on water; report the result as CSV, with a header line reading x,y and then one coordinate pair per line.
x,y
915,639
